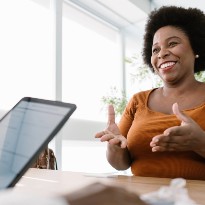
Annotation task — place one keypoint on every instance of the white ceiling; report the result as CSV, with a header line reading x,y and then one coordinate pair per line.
x,y
129,15
119,13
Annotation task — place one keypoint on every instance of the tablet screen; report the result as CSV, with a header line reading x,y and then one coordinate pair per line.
x,y
24,131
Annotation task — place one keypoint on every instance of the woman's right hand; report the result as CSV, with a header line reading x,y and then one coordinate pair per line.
x,y
112,133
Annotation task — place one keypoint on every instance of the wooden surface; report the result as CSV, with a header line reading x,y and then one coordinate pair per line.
x,y
49,182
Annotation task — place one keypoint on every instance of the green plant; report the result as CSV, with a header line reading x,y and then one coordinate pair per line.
x,y
200,76
117,98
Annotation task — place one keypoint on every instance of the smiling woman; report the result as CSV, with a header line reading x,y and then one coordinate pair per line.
x,y
168,119
172,55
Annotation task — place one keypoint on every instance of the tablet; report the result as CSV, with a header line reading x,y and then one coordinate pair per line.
x,y
25,131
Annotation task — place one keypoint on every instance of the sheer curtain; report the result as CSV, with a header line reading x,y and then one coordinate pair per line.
x,y
91,62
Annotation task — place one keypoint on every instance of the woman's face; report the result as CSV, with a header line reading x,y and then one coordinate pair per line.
x,y
172,55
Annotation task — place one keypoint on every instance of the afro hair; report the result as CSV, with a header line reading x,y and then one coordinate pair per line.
x,y
190,20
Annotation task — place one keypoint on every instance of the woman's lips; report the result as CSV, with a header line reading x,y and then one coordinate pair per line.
x,y
167,66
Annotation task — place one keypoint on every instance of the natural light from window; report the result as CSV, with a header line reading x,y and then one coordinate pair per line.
x,y
91,63
25,52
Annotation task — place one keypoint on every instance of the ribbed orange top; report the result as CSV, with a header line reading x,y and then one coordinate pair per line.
x,y
140,124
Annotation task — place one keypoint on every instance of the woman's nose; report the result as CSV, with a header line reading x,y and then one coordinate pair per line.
x,y
163,53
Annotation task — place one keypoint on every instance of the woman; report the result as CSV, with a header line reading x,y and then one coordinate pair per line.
x,y
161,132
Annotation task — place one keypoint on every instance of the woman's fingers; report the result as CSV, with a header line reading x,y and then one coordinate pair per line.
x,y
177,138
112,134
180,115
100,134
119,141
114,140
111,115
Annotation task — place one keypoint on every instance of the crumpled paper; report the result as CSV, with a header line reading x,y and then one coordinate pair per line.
x,y
174,194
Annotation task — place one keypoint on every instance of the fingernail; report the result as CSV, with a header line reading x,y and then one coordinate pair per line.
x,y
156,140
166,133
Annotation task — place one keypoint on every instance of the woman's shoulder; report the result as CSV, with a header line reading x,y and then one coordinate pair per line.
x,y
140,98
142,94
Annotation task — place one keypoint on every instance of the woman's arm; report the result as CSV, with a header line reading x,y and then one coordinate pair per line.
x,y
118,157
117,152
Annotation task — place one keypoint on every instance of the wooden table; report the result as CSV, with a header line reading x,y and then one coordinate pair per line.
x,y
50,182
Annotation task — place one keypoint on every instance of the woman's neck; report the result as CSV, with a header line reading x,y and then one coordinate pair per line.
x,y
180,89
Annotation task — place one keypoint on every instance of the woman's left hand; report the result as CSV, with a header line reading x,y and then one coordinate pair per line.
x,y
188,136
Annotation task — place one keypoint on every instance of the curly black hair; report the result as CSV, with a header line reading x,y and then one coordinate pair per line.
x,y
191,21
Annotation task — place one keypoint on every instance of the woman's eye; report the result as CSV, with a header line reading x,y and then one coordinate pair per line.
x,y
155,50
171,44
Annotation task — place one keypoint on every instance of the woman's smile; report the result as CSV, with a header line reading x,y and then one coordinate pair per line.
x,y
167,65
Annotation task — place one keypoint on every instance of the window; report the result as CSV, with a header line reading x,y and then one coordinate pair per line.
x,y
91,62
25,51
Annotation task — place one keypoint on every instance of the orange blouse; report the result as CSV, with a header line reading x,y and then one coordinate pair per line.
x,y
139,125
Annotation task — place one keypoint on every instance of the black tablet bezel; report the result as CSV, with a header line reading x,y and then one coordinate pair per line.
x,y
72,108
